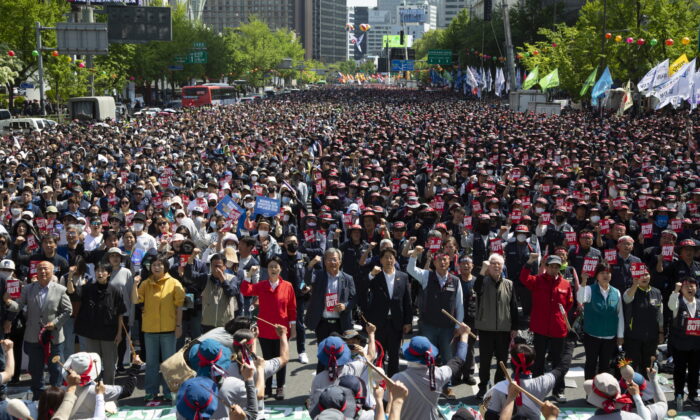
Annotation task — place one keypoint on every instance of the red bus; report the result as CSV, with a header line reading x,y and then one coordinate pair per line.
x,y
209,94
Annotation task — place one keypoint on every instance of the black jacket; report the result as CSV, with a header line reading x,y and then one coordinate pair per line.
x,y
318,281
379,303
100,307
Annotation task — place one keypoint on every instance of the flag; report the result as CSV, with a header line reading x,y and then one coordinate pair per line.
x,y
590,81
678,88
531,79
660,78
549,81
695,97
471,81
601,86
646,82
500,81
627,100
678,64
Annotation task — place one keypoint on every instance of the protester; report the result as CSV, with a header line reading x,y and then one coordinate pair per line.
x,y
684,342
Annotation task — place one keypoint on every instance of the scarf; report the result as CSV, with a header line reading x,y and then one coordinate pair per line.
x,y
197,407
333,361
430,363
521,369
45,341
608,405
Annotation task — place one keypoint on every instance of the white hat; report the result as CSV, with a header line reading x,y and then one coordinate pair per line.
x,y
27,213
87,365
7,265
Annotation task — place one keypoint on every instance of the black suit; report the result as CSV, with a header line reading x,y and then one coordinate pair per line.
x,y
390,327
318,281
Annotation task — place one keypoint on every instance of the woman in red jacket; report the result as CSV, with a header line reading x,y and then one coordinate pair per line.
x,y
278,305
550,293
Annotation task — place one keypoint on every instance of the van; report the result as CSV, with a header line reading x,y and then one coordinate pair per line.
x,y
24,125
5,114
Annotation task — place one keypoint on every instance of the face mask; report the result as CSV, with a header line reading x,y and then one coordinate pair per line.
x,y
612,192
4,275
645,186
521,237
166,204
15,211
539,210
200,194
249,205
671,205
489,171
691,185
404,186
138,227
263,233
445,180
595,219
292,247
285,218
254,178
286,200
212,224
311,224
586,197
236,196
374,188
199,220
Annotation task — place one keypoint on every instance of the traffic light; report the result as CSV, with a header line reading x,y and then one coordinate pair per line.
x,y
401,37
487,9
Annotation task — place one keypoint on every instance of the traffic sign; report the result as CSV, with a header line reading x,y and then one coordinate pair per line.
x,y
402,65
443,57
197,57
176,67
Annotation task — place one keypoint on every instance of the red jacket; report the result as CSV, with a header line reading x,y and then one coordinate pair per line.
x,y
277,306
547,294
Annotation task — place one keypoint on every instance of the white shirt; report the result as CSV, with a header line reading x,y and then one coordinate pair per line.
x,y
673,304
423,275
332,288
390,282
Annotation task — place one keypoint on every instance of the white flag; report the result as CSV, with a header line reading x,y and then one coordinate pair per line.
x,y
500,81
648,79
695,98
678,88
660,77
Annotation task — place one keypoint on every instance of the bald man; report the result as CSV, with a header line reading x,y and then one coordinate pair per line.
x,y
48,307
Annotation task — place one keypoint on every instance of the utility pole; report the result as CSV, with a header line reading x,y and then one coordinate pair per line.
x,y
602,42
89,17
510,57
40,62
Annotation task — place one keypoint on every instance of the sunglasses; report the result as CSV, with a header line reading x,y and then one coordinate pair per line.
x,y
162,223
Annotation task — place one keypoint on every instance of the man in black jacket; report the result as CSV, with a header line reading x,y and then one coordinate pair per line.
x,y
644,322
467,279
389,306
332,296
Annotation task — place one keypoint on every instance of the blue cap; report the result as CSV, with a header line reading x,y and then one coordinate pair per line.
x,y
333,345
415,350
209,352
197,398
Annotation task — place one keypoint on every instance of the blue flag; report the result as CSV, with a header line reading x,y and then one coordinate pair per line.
x,y
268,207
603,84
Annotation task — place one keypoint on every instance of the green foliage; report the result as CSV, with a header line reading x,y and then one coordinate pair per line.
x,y
582,47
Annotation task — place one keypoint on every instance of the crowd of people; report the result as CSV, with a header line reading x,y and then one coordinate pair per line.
x,y
343,216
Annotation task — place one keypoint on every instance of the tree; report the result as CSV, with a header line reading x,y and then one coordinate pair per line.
x,y
582,47
17,31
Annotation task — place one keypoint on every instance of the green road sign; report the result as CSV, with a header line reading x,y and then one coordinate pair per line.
x,y
180,59
197,57
443,57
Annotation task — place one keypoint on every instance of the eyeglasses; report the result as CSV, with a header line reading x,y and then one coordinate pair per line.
x,y
162,223
125,202
3,242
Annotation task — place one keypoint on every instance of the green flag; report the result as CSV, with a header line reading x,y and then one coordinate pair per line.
x,y
589,82
531,79
549,81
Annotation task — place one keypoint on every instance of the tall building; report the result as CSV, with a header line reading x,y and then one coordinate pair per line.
x,y
220,14
449,9
386,20
329,36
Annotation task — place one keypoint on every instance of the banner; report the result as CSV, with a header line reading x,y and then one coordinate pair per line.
x,y
268,207
602,85
531,79
590,81
549,81
680,62
589,264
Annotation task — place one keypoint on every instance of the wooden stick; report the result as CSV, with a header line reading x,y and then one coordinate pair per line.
x,y
267,322
521,389
447,314
379,372
127,337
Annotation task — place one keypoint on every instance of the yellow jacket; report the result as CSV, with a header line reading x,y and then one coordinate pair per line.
x,y
161,300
